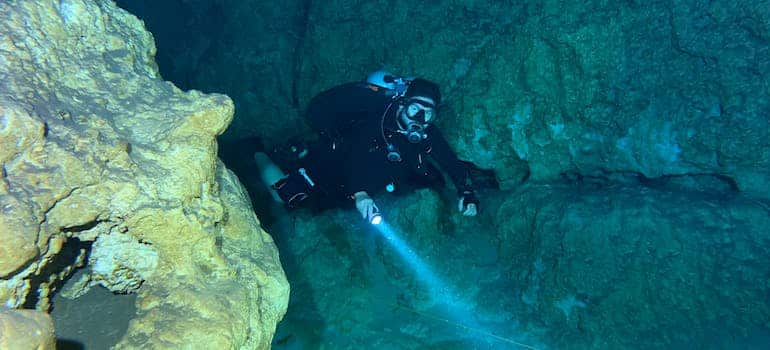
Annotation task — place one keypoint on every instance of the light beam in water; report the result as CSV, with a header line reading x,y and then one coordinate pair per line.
x,y
461,313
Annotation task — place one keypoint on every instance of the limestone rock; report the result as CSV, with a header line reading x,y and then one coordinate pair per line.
x,y
26,329
96,147
616,263
120,262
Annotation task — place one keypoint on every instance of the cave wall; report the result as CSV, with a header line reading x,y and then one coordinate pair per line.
x,y
534,90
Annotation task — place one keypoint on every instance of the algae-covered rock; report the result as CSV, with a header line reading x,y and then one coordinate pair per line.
x,y
96,147
26,329
120,262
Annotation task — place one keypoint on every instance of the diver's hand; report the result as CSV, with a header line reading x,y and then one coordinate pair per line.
x,y
365,205
468,204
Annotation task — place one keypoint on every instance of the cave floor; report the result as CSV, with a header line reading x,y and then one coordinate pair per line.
x,y
97,320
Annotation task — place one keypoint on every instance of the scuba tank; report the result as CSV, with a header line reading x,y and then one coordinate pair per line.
x,y
395,85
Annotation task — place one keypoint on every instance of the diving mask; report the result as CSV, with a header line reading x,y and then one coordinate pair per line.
x,y
420,111
415,118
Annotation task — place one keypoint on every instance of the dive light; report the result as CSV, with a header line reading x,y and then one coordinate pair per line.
x,y
376,217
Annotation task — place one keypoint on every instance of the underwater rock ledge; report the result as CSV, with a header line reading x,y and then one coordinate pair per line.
x,y
96,148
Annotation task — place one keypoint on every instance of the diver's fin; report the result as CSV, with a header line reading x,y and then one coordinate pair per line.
x,y
269,173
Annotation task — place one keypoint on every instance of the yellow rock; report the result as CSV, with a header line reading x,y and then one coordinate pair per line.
x,y
26,329
95,147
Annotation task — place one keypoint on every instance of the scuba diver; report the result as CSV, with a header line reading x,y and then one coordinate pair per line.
x,y
374,136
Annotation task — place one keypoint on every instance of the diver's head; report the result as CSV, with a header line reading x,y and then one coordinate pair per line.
x,y
417,109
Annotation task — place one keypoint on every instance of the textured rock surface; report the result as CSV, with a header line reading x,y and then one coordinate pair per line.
x,y
577,267
120,262
26,329
605,266
95,146
534,89
660,89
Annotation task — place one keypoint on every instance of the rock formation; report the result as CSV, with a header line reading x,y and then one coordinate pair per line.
x,y
26,329
100,155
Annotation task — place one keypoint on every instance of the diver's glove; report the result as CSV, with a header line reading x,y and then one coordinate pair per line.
x,y
469,204
365,205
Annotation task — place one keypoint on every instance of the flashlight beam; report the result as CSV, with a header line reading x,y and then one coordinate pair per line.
x,y
462,326
440,291
437,287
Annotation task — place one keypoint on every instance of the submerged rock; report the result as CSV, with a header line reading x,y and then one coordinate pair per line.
x,y
609,265
26,329
552,266
95,146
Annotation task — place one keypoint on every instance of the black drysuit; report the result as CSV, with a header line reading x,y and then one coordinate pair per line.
x,y
351,155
